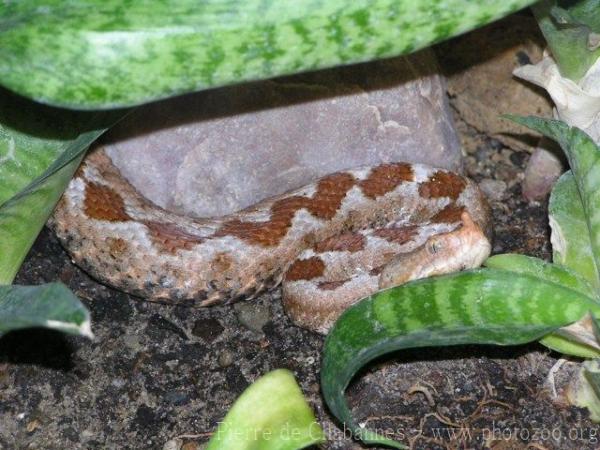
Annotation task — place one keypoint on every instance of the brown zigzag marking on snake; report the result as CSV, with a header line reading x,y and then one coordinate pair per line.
x,y
386,178
324,204
350,242
442,184
398,235
305,269
103,203
449,214
331,190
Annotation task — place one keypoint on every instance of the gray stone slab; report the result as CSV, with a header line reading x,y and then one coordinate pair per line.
x,y
215,152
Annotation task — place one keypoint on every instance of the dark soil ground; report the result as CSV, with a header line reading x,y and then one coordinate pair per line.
x,y
159,376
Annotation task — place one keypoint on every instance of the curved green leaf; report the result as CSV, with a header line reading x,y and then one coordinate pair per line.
x,y
50,305
107,53
271,414
483,306
571,245
32,139
40,148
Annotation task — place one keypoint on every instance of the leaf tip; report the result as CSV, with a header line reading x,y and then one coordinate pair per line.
x,y
83,329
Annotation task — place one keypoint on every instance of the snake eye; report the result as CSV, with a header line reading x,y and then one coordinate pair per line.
x,y
435,247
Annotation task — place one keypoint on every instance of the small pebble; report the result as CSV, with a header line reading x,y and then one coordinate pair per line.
x,y
173,444
541,173
33,425
253,316
118,382
519,158
208,329
172,364
497,157
493,189
132,341
482,154
225,358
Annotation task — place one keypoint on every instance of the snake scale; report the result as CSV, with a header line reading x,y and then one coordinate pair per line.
x,y
329,243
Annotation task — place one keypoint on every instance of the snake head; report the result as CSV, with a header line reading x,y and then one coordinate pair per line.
x,y
464,248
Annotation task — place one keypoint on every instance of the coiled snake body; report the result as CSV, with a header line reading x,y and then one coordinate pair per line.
x,y
332,242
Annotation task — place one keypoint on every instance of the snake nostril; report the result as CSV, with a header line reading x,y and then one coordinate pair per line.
x,y
434,247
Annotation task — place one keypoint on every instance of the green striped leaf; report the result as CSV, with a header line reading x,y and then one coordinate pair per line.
x,y
483,306
272,414
567,342
107,53
571,245
50,305
544,270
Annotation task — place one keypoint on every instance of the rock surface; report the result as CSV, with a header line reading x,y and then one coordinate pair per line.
x,y
544,168
215,152
482,86
479,67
